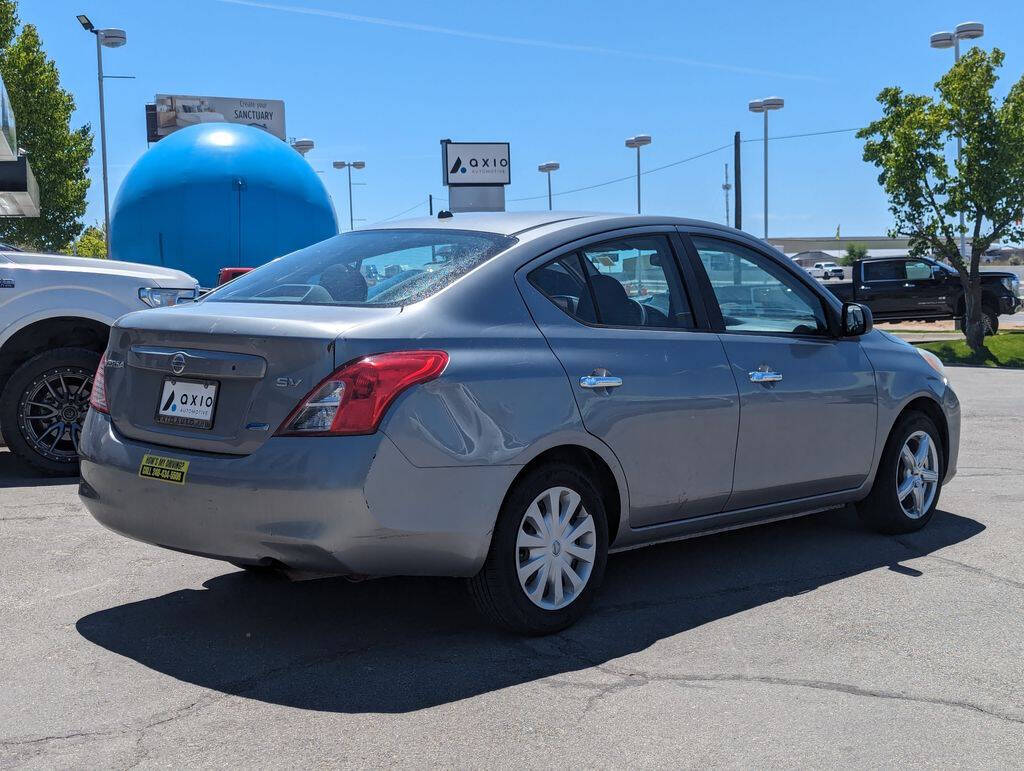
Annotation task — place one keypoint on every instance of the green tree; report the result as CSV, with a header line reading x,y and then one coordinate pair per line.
x,y
90,244
927,192
59,156
854,252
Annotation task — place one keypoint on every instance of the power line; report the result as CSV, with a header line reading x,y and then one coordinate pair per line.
x,y
680,162
404,211
808,134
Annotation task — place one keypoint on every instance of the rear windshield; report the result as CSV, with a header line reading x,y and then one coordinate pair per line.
x,y
368,267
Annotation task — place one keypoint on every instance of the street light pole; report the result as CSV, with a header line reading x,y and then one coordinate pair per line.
x,y
103,144
765,106
968,30
547,168
637,142
350,165
111,38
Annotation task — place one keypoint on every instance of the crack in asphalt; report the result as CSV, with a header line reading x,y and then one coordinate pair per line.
x,y
638,679
965,566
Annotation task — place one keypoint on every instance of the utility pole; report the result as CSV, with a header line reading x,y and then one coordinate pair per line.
x,y
738,199
726,188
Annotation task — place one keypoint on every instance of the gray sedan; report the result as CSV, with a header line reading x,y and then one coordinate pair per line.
x,y
533,392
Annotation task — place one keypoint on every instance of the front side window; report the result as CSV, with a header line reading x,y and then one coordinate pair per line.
x,y
755,294
918,270
369,267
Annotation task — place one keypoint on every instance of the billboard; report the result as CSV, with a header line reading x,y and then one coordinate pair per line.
x,y
476,163
176,111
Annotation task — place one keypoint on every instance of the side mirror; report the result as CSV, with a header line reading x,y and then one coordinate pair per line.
x,y
856,320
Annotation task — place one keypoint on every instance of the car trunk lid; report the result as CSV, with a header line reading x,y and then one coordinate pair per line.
x,y
255,362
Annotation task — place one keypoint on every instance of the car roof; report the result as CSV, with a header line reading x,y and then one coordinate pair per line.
x,y
522,223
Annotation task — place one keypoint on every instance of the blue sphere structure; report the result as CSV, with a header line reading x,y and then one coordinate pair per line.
x,y
218,195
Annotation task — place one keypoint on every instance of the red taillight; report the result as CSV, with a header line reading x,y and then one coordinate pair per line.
x,y
355,397
98,396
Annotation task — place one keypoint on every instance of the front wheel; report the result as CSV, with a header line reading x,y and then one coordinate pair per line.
x,y
989,321
909,478
547,554
43,405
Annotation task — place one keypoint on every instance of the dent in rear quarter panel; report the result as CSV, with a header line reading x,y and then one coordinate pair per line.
x,y
503,399
503,390
902,375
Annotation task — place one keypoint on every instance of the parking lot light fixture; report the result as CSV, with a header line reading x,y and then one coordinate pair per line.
x,y
112,37
637,142
968,30
547,168
765,106
349,165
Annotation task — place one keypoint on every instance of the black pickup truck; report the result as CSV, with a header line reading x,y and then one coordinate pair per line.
x,y
920,289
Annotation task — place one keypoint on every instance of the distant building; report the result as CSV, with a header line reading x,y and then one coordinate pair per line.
x,y
807,259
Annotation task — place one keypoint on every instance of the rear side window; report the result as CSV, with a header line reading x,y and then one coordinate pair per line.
x,y
565,284
368,267
889,270
630,282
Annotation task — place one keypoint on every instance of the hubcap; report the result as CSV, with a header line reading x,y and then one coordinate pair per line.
x,y
555,548
52,409
917,475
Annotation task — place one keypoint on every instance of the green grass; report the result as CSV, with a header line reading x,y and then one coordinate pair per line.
x,y
1005,349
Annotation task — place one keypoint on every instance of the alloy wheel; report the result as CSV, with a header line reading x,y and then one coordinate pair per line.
x,y
51,411
917,474
555,548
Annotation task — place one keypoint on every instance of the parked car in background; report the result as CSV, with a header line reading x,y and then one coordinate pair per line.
x,y
921,289
825,270
55,317
562,386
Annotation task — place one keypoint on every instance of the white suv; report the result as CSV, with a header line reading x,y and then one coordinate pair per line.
x,y
55,317
825,270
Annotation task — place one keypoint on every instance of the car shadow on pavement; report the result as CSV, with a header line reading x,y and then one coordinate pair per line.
x,y
403,644
14,472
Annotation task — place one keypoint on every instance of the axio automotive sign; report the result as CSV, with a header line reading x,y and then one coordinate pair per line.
x,y
476,163
175,112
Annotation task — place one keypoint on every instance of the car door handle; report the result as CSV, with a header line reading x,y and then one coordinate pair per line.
x,y
765,376
600,381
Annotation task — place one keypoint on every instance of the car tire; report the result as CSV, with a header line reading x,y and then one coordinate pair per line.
x,y
526,536
888,509
28,429
989,321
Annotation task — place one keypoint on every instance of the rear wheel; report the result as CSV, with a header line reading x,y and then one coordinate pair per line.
x,y
909,479
547,555
43,405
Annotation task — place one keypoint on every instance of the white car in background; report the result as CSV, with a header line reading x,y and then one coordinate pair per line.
x,y
825,270
55,317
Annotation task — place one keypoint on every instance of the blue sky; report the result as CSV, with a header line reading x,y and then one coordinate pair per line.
x,y
565,81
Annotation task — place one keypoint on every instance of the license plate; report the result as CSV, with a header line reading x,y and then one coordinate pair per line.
x,y
187,403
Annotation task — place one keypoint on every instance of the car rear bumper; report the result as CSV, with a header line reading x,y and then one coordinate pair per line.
x,y
351,505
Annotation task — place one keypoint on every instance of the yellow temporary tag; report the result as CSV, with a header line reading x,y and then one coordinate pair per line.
x,y
164,469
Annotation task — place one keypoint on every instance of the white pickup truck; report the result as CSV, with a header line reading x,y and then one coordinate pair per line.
x,y
55,317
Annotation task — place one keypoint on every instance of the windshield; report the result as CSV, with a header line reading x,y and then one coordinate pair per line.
x,y
368,267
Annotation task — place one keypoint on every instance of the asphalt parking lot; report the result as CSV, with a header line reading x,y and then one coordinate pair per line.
x,y
810,642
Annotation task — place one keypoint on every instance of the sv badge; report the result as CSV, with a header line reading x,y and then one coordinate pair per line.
x,y
287,382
